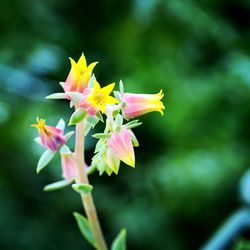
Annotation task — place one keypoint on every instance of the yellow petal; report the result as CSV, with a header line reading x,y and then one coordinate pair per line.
x,y
82,64
111,100
108,89
73,64
97,86
91,66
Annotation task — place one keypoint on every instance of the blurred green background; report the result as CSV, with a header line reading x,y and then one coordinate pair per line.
x,y
190,161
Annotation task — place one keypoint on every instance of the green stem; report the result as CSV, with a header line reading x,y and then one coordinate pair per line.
x,y
87,199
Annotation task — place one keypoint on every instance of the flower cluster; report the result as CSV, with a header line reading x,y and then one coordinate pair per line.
x,y
91,101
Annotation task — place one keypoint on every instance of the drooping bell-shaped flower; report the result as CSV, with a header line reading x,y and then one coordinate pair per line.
x,y
79,75
51,137
122,146
139,104
68,166
112,161
96,99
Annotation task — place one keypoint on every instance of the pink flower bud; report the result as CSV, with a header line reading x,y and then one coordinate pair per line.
x,y
68,166
51,137
122,147
79,75
139,104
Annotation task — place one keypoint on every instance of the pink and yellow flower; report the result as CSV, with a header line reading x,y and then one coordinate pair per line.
x,y
68,166
79,75
96,99
51,137
139,104
122,147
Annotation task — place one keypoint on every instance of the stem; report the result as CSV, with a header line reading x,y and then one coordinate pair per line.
x,y
87,199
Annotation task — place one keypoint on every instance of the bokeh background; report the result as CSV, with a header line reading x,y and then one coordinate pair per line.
x,y
189,162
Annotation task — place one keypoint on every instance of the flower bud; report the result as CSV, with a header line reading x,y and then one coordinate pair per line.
x,y
139,104
121,145
79,75
51,137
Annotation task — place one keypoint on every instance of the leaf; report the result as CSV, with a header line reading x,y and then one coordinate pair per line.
x,y
119,120
87,127
117,95
121,86
82,188
77,116
91,81
64,150
45,158
61,124
84,227
62,84
93,120
68,135
101,135
57,96
57,185
119,242
99,116
38,140
75,96
100,145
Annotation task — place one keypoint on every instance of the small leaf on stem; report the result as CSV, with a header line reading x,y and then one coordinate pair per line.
x,y
57,185
84,227
119,242
75,96
61,124
68,135
45,158
82,188
77,116
101,135
57,96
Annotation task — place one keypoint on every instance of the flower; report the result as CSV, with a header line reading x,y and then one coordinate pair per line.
x,y
95,99
51,137
122,146
68,166
79,75
112,161
139,104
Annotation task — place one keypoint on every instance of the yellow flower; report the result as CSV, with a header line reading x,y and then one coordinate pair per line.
x,y
100,97
79,75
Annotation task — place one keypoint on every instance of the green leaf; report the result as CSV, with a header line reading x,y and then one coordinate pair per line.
x,y
61,124
101,135
75,96
99,116
91,81
120,241
64,150
93,120
119,120
87,127
84,227
45,158
57,96
62,84
68,135
121,86
38,140
117,95
100,145
77,116
82,188
57,185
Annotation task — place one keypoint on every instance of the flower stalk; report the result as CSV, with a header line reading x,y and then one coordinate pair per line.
x,y
82,178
